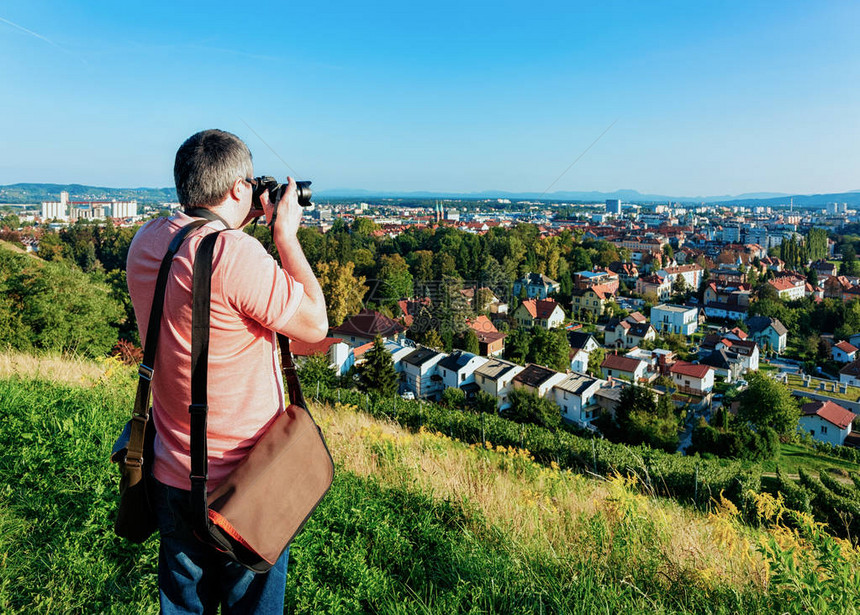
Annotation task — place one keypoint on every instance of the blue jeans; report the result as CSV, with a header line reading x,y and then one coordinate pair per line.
x,y
195,578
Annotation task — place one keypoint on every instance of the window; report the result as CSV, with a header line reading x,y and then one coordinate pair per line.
x,y
824,429
462,377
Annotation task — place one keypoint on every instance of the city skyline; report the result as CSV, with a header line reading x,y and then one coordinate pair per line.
x,y
707,100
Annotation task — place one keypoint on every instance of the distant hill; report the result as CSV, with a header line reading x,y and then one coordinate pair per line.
x,y
36,193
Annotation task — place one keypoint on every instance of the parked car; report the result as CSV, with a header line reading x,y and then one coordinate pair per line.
x,y
408,395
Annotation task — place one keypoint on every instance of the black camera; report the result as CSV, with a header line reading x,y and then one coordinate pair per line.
x,y
276,191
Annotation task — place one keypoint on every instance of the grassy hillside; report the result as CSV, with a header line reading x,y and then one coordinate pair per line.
x,y
415,523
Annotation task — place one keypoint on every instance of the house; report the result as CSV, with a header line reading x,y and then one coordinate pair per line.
x,y
589,279
626,272
843,352
397,353
692,378
536,286
486,301
826,421
420,374
627,333
724,363
543,313
458,368
770,333
365,326
850,374
339,353
494,378
592,300
678,319
824,269
656,285
789,288
491,343
536,379
746,351
691,274
574,394
581,347
627,368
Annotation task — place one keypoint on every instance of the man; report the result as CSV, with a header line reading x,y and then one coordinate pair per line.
x,y
252,299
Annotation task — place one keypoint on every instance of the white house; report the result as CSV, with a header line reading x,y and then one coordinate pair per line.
x,y
574,394
670,318
537,379
850,374
626,368
843,352
397,352
789,288
826,421
494,377
420,373
692,378
747,351
692,274
537,286
459,367
581,347
543,313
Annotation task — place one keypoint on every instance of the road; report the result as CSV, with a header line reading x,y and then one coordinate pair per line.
x,y
686,437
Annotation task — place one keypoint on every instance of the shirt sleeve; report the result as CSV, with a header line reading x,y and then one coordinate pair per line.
x,y
255,285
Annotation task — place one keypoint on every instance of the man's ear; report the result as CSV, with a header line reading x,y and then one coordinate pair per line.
x,y
236,190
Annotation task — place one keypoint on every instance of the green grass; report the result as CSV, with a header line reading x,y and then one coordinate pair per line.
x,y
796,382
369,548
794,456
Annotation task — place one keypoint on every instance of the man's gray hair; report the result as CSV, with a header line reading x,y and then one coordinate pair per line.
x,y
206,166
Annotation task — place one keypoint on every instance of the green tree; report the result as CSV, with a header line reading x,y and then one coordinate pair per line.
x,y
768,403
316,369
433,339
453,397
527,407
517,345
395,281
376,374
484,402
468,341
550,348
595,360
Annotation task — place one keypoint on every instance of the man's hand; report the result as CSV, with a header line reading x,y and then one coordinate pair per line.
x,y
289,211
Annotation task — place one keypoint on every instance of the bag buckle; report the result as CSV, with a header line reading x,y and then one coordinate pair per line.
x,y
145,372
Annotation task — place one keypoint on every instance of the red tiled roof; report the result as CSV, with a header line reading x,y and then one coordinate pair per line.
x,y
360,350
689,369
846,347
637,317
621,363
303,349
369,324
482,324
740,333
540,308
830,412
781,284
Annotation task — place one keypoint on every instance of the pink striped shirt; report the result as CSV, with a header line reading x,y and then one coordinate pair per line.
x,y
251,298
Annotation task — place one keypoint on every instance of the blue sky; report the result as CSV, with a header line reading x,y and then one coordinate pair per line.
x,y
710,98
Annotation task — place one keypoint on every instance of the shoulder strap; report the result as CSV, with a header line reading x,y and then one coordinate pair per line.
x,y
200,311
140,414
199,408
